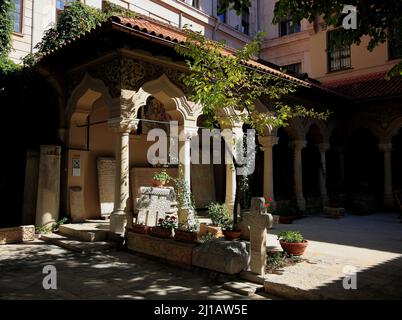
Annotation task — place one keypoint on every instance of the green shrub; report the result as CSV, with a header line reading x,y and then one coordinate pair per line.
x,y
219,214
290,236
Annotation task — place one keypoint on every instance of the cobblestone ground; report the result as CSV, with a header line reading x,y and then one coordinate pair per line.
x,y
111,275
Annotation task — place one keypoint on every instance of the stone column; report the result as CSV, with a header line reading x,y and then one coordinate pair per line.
x,y
386,148
267,143
231,137
186,134
121,195
30,187
323,147
48,198
298,177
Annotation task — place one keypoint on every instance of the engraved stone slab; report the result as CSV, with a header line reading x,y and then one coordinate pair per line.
x,y
106,182
17,234
203,184
155,203
77,208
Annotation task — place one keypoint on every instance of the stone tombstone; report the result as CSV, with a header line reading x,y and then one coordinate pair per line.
x,y
48,196
30,187
203,175
259,221
154,203
106,182
77,209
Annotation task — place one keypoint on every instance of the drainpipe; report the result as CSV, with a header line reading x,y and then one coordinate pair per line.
x,y
32,25
258,15
180,19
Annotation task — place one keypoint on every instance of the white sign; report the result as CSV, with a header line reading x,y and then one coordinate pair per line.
x,y
76,167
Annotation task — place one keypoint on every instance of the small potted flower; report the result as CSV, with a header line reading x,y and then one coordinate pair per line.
x,y
230,231
140,228
160,178
165,227
292,242
186,233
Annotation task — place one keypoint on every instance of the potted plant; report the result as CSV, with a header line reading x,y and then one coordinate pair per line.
x,y
186,233
165,227
285,213
219,215
140,228
230,231
292,242
160,178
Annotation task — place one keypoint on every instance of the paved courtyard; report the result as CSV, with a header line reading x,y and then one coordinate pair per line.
x,y
371,244
112,275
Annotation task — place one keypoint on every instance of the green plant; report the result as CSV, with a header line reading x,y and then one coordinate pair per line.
x,y
279,260
6,27
290,237
48,228
57,224
209,236
162,176
169,222
219,214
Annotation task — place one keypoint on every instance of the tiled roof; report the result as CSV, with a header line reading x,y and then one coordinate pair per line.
x,y
171,33
368,86
165,31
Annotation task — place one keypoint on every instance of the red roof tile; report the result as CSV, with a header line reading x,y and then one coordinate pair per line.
x,y
368,86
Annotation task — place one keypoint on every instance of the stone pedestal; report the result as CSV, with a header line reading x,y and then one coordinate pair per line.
x,y
48,199
17,234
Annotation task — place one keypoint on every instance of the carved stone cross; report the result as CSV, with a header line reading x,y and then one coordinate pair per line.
x,y
258,220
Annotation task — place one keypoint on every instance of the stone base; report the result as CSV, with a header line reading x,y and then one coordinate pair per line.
x,y
89,231
165,249
335,213
17,234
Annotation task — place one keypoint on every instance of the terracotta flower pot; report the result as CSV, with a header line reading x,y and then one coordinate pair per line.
x,y
286,219
232,234
139,228
185,236
161,232
296,249
158,183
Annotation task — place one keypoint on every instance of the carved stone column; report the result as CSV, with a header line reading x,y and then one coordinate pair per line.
x,y
386,148
268,142
298,174
121,196
231,137
323,147
186,134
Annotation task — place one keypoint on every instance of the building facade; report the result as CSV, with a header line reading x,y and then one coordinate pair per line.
x,y
348,161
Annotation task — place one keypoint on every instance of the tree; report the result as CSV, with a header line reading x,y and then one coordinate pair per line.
x,y
221,80
379,20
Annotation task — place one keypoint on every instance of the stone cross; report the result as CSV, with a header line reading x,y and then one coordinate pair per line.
x,y
258,220
154,203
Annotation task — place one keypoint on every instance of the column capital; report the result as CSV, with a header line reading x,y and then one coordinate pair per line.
x,y
324,147
299,144
123,125
268,141
385,147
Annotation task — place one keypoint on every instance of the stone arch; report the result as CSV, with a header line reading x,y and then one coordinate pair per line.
x,y
323,128
172,97
392,130
85,94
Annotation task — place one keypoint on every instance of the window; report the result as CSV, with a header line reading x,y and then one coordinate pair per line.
x,y
293,68
60,4
221,13
17,15
193,3
395,44
288,27
245,22
338,58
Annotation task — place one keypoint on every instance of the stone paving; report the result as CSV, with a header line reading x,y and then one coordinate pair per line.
x,y
371,244
106,275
